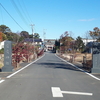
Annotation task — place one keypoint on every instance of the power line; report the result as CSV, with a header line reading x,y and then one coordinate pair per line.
x,y
1,16
19,12
11,16
20,5
27,12
24,10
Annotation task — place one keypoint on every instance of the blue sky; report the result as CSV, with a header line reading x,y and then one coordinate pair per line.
x,y
52,16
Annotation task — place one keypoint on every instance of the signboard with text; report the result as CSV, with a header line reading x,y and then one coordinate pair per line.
x,y
7,57
96,58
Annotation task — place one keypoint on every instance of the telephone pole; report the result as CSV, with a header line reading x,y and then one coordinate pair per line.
x,y
44,33
32,25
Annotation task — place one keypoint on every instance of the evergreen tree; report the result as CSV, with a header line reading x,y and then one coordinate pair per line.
x,y
79,45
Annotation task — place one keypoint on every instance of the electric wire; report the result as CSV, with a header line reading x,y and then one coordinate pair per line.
x,y
27,12
1,15
26,15
15,6
11,16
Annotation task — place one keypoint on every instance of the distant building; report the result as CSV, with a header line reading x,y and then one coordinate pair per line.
x,y
85,41
49,43
36,41
2,44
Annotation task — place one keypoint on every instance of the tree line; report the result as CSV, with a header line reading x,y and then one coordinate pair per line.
x,y
7,34
66,43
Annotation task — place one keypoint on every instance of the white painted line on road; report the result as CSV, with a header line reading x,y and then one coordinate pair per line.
x,y
2,81
80,69
77,93
56,92
93,76
24,67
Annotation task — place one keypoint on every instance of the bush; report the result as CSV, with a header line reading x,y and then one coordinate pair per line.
x,y
20,52
2,51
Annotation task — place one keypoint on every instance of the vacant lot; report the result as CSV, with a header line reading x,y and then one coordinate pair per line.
x,y
78,57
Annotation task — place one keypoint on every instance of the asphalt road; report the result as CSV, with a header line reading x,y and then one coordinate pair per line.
x,y
50,78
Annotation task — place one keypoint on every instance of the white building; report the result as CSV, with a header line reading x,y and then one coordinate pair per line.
x,y
49,43
85,41
2,44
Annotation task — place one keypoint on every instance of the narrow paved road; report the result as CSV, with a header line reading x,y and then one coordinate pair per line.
x,y
50,78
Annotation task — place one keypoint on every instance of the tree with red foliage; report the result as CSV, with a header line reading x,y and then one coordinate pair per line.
x,y
20,52
24,52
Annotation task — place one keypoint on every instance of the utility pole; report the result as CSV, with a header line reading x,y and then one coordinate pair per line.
x,y
44,33
32,31
33,39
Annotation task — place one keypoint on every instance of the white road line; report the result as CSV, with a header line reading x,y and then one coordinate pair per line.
x,y
93,76
77,93
24,67
80,69
2,81
56,92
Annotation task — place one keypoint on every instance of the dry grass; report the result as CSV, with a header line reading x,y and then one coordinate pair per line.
x,y
78,57
1,60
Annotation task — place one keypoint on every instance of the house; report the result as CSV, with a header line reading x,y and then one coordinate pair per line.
x,y
35,41
85,41
2,44
49,43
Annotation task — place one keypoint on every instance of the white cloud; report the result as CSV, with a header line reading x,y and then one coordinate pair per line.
x,y
84,20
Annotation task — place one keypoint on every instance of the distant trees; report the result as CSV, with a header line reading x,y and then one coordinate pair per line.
x,y
79,45
36,36
24,34
11,36
68,44
4,29
7,34
4,37
65,42
57,44
95,34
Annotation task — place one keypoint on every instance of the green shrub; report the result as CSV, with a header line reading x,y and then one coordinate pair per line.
x,y
2,51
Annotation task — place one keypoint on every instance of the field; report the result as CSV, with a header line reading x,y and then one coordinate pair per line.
x,y
77,57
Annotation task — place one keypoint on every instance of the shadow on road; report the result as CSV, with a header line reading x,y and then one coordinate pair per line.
x,y
59,66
